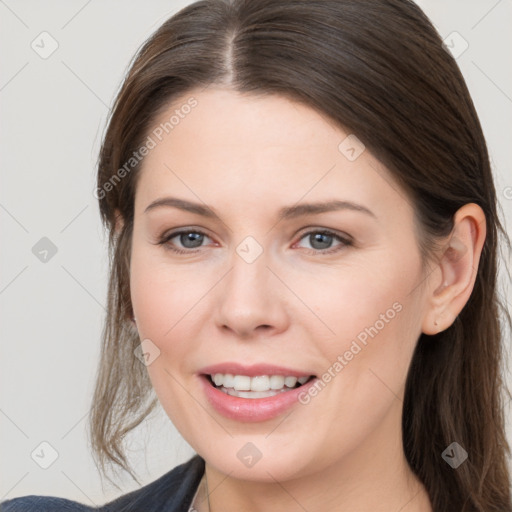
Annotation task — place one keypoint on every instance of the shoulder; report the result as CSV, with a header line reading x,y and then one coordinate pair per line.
x,y
42,504
171,492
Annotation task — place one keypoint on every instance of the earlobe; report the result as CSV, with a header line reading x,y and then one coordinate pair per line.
x,y
457,268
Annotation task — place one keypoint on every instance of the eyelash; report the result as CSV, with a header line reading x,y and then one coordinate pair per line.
x,y
345,242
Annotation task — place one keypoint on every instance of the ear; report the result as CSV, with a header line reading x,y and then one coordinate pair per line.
x,y
119,222
454,277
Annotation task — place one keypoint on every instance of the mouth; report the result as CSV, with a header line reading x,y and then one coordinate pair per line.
x,y
260,386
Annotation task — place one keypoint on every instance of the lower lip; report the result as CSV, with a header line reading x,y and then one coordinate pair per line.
x,y
252,409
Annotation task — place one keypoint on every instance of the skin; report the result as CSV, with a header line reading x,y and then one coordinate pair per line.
x,y
245,157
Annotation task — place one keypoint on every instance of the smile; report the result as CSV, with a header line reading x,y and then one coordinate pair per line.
x,y
260,386
257,401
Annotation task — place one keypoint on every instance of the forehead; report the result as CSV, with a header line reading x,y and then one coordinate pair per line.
x,y
248,147
222,118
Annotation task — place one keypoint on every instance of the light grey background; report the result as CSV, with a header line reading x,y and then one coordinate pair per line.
x,y
53,113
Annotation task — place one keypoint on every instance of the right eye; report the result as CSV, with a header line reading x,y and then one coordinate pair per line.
x,y
190,240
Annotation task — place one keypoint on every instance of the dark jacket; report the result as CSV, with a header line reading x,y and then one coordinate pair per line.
x,y
172,492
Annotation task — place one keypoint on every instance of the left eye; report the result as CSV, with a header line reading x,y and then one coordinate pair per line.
x,y
321,240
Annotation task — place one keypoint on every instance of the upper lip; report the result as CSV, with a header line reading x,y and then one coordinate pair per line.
x,y
253,370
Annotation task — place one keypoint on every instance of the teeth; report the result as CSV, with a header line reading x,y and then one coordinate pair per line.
x,y
261,383
290,381
229,381
258,384
276,382
250,394
242,383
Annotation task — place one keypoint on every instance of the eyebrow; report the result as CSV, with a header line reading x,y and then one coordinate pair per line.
x,y
285,213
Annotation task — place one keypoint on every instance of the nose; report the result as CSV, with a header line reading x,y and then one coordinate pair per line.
x,y
253,302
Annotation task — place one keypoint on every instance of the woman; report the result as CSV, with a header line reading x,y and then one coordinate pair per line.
x,y
304,242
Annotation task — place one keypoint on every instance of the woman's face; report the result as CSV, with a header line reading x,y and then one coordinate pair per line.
x,y
257,289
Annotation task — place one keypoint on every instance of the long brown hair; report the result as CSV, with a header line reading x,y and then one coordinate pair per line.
x,y
379,69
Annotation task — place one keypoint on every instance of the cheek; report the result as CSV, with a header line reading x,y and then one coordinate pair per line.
x,y
165,302
161,294
155,298
373,321
170,303
361,301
